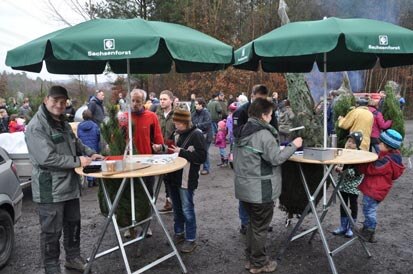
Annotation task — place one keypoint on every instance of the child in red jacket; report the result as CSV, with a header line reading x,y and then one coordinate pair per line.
x,y
378,179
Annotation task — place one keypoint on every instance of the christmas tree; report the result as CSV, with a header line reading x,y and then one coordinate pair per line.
x,y
115,136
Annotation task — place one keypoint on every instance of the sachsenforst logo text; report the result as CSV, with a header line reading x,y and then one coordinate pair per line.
x,y
109,50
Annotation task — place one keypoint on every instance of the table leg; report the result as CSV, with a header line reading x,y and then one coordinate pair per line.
x,y
330,201
109,218
291,237
158,217
320,229
348,213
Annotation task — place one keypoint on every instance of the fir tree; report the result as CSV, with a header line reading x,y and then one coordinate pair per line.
x,y
115,137
391,108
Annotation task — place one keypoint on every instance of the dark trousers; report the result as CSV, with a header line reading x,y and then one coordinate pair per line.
x,y
53,218
260,218
149,183
352,200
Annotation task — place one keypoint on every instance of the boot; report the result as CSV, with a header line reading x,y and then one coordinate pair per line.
x,y
349,232
225,164
341,230
222,162
368,234
167,208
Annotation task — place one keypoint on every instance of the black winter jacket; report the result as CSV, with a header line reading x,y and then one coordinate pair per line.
x,y
194,152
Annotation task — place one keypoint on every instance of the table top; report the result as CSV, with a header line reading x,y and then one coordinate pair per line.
x,y
152,170
348,156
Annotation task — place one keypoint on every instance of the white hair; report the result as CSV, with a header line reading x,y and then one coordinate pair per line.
x,y
242,99
140,92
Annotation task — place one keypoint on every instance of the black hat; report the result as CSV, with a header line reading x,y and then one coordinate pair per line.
x,y
57,91
358,138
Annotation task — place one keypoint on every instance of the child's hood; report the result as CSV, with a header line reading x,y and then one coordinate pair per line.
x,y
396,162
87,125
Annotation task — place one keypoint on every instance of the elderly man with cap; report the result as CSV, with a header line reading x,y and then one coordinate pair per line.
x,y
189,144
55,152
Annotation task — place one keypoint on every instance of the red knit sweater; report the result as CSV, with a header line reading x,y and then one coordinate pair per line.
x,y
146,131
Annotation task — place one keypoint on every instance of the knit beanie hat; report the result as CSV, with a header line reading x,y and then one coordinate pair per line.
x,y
232,106
391,138
222,124
357,137
181,115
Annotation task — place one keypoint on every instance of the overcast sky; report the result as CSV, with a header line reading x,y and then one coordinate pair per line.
x,y
24,20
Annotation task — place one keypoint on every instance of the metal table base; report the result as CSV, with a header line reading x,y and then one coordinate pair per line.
x,y
111,218
319,219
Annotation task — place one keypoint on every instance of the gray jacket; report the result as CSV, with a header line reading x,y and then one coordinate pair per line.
x,y
257,163
54,152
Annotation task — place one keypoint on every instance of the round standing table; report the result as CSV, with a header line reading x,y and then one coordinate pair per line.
x,y
137,174
347,156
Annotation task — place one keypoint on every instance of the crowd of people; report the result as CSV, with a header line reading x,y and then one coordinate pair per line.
x,y
251,135
13,117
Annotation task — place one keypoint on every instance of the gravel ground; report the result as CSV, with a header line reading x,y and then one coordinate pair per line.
x,y
220,245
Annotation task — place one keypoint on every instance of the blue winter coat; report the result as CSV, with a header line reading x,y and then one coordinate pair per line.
x,y
88,131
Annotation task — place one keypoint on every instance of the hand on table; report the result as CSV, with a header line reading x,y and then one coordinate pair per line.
x,y
175,149
97,157
85,161
298,142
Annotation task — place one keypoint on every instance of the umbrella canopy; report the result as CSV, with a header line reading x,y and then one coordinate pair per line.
x,y
150,46
334,44
349,44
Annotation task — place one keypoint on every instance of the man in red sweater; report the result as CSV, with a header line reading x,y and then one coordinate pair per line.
x,y
147,130
146,133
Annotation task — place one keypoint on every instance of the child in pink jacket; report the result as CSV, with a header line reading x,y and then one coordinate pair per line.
x,y
221,142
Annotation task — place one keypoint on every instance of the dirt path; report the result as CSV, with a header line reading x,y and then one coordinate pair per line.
x,y
220,246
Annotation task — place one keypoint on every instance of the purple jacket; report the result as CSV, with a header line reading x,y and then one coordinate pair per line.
x,y
379,124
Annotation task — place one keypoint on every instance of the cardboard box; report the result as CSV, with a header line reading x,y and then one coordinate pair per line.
x,y
319,154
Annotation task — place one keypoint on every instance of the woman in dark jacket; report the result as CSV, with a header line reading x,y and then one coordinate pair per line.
x,y
190,144
201,118
88,131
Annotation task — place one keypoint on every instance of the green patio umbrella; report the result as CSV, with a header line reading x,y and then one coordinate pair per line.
x,y
126,46
333,44
150,46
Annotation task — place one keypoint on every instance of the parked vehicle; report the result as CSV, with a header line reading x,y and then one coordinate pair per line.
x,y
15,146
11,199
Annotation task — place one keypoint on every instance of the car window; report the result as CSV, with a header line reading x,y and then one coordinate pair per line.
x,y
1,160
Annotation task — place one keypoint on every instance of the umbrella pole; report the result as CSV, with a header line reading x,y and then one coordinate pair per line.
x,y
325,122
132,186
325,100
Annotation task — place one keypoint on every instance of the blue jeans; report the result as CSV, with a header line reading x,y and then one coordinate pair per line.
x,y
223,153
206,163
184,212
370,212
243,215
214,127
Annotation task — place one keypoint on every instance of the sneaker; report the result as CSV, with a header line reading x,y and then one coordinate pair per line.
x,y
188,246
167,208
243,229
77,263
204,172
271,266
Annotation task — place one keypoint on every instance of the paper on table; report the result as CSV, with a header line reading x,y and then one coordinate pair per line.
x,y
158,159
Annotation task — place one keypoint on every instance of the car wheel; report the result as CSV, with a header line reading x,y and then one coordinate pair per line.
x,y
6,237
